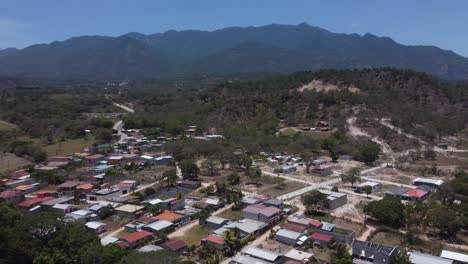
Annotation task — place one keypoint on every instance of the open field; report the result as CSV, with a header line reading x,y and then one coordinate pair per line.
x,y
68,147
386,238
5,126
194,235
10,162
231,214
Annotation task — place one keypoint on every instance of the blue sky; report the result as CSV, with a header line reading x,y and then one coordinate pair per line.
x,y
412,22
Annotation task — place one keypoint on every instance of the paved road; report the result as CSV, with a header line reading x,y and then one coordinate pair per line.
x,y
126,108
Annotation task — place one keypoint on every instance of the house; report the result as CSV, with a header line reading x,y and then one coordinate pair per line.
x,y
262,213
28,188
415,195
428,182
129,210
54,201
374,186
46,193
299,220
67,188
134,227
294,227
150,248
249,200
94,159
299,256
322,240
289,237
216,241
189,211
244,259
190,184
106,194
20,182
11,197
63,208
136,238
108,240
175,204
321,170
102,168
159,227
262,255
335,199
85,188
164,160
19,175
82,215
172,217
339,234
368,252
458,258
422,258
30,203
127,184
288,169
116,160
274,202
215,222
177,246
246,226
96,227
396,192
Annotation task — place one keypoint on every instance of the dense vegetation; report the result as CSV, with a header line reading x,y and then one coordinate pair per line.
x,y
250,112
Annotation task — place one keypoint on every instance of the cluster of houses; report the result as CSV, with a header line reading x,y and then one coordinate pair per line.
x,y
289,164
424,187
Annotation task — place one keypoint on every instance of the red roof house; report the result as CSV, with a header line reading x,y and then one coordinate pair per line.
x,y
34,201
136,237
315,223
175,245
416,194
294,227
216,241
321,237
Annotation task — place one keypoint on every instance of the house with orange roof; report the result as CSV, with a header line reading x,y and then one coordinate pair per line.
x,y
176,219
137,238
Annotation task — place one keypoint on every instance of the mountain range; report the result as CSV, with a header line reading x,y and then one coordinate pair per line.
x,y
266,49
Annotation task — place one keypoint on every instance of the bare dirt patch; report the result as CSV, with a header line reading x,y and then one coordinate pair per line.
x,y
320,86
10,162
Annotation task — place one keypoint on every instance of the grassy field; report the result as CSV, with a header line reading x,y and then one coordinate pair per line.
x,y
9,162
194,235
386,238
231,214
5,126
67,147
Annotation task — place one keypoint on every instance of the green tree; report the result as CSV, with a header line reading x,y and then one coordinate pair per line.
x,y
389,211
211,165
189,168
314,200
352,176
367,190
254,174
233,178
170,176
368,152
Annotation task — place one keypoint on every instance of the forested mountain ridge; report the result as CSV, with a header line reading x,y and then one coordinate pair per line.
x,y
271,48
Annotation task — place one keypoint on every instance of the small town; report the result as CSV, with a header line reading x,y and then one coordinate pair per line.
x,y
233,132
246,208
